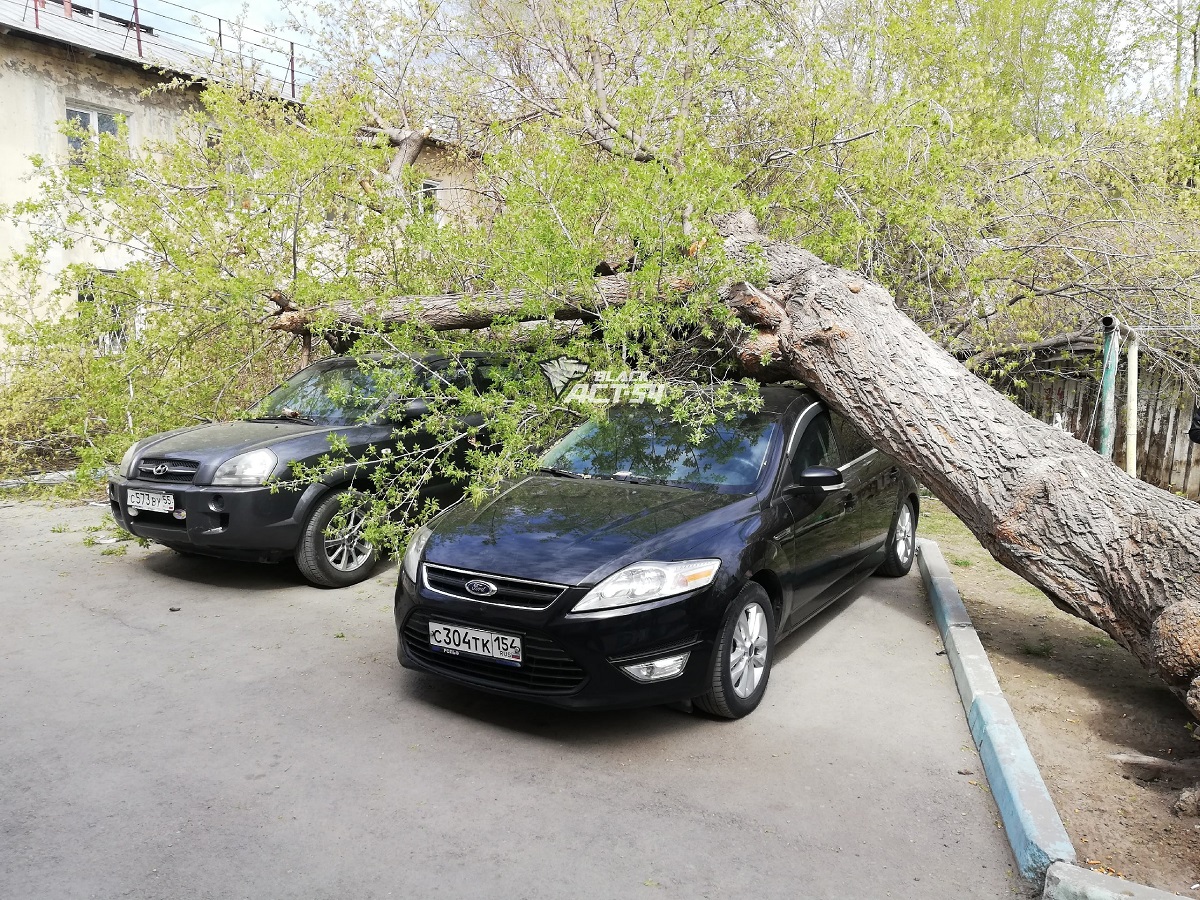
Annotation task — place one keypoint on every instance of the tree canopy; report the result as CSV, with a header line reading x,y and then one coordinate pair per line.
x,y
1007,170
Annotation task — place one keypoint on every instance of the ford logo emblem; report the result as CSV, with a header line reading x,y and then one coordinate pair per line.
x,y
480,588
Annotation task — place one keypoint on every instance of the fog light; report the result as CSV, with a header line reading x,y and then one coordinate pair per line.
x,y
657,669
180,514
132,511
217,503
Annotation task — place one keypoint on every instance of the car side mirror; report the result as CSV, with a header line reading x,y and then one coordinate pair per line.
x,y
818,478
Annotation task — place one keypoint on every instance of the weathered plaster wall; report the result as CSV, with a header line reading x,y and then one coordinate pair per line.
x,y
38,81
457,196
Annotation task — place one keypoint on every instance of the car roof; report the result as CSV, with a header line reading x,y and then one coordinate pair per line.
x,y
778,397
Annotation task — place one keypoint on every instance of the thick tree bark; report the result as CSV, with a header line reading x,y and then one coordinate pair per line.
x,y
1107,547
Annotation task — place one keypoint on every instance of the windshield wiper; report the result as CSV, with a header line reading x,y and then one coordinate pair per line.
x,y
636,479
561,473
288,415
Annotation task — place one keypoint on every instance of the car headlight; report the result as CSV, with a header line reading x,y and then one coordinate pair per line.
x,y
250,468
128,459
416,546
649,580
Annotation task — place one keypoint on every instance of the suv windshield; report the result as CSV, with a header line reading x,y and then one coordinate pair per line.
x,y
336,395
642,443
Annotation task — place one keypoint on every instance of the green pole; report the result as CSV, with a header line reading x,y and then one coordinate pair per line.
x,y
1108,387
1131,392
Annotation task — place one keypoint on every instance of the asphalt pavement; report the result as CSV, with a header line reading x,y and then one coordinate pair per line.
x,y
263,742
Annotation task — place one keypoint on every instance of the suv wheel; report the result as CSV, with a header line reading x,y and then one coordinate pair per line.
x,y
332,551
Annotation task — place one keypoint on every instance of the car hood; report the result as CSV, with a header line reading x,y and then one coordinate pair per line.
x,y
562,530
210,445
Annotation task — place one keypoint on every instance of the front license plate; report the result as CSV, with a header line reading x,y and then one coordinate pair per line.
x,y
150,500
454,639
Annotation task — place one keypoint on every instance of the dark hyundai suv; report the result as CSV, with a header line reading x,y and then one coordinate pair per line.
x,y
205,489
639,568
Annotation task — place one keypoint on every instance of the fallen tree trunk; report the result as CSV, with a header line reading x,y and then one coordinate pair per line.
x,y
1102,545
1107,547
450,312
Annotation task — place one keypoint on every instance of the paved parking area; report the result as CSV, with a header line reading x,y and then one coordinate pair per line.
x,y
264,742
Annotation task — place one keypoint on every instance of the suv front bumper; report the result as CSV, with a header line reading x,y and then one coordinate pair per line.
x,y
250,523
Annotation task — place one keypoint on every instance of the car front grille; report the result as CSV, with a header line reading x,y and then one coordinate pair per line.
x,y
545,667
171,471
507,591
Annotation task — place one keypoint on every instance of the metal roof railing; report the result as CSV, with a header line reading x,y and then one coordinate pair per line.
x,y
160,33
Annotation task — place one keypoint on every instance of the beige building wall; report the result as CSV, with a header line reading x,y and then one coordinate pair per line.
x,y
39,81
453,173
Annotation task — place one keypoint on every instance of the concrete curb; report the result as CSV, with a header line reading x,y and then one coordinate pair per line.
x,y
1067,882
1030,819
1039,840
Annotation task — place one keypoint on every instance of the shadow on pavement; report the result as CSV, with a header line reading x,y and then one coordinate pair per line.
x,y
246,576
576,728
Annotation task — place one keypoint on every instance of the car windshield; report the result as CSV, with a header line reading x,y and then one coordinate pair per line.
x,y
642,443
333,395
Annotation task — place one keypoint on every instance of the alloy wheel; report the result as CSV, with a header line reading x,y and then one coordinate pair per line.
x,y
346,549
748,656
904,541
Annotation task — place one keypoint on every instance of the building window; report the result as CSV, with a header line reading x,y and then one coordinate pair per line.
x,y
94,121
103,317
427,200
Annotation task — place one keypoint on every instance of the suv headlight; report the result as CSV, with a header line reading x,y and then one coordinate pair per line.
x,y
649,580
128,459
244,469
416,546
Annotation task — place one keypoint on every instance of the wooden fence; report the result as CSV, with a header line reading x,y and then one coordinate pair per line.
x,y
1166,457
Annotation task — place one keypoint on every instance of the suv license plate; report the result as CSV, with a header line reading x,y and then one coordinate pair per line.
x,y
454,639
153,501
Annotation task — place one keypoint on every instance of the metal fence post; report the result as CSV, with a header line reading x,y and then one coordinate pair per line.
x,y
1108,386
1131,399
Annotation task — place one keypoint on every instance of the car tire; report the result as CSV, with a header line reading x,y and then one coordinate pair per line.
x,y
901,543
340,558
742,662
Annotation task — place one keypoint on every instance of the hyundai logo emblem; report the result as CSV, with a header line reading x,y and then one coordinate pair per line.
x,y
480,588
160,469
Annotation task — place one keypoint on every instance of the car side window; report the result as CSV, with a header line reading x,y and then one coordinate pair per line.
x,y
456,375
852,442
816,447
481,376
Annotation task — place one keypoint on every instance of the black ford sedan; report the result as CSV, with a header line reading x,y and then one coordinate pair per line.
x,y
205,489
636,568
